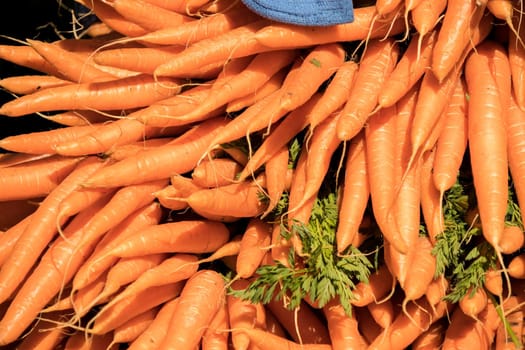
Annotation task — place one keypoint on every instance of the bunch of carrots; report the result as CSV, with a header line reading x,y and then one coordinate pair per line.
x,y
217,180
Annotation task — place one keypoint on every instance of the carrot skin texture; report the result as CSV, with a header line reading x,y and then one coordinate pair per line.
x,y
200,299
255,243
487,134
343,330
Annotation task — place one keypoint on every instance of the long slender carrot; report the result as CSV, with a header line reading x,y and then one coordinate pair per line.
x,y
42,142
430,198
515,130
41,229
342,328
255,243
421,271
26,56
426,15
132,328
200,300
376,64
265,340
215,338
58,265
366,25
203,28
79,117
27,84
35,179
161,162
238,42
516,52
135,91
489,98
10,236
276,183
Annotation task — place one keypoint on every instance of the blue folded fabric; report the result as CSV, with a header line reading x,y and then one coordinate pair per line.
x,y
304,12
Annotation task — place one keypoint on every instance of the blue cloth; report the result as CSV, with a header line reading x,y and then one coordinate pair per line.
x,y
304,12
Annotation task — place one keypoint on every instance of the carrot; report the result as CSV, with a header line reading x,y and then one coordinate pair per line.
x,y
94,266
79,341
322,145
385,7
267,89
516,52
430,198
177,268
132,328
124,272
58,265
180,6
366,324
426,15
200,300
437,290
235,43
366,25
489,98
169,196
464,331
149,16
494,281
26,84
161,162
303,324
113,19
343,330
203,28
335,94
455,34
78,117
243,314
156,331
287,129
380,144
113,317
215,337
409,70
41,230
134,91
44,334
191,236
133,148
35,179
10,236
512,239
215,172
42,142
516,267
474,302
382,313
26,56
432,338
408,326
136,59
265,340
375,65
452,142
254,244
259,71
222,203
515,129
276,183
71,65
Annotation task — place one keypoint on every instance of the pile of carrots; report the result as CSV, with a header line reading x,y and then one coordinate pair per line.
x,y
217,180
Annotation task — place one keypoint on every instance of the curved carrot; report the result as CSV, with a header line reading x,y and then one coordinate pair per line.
x,y
27,84
26,56
430,198
343,329
376,64
254,244
132,328
265,340
465,331
10,236
200,299
215,338
215,172
426,15
276,183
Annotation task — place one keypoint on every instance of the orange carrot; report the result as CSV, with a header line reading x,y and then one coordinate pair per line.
x,y
44,334
473,302
26,56
430,198
515,129
119,313
254,244
215,172
120,152
235,43
199,301
426,15
516,52
375,65
94,266
133,327
276,183
265,340
161,162
409,70
366,25
243,314
431,338
380,283
42,142
10,236
215,337
27,84
516,267
79,341
203,28
149,16
156,331
35,179
78,117
134,91
465,332
421,271
366,324
41,230
71,65
512,239
380,144
489,98
455,34
343,330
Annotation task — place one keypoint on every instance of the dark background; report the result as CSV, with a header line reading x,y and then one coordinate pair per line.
x,y
33,19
